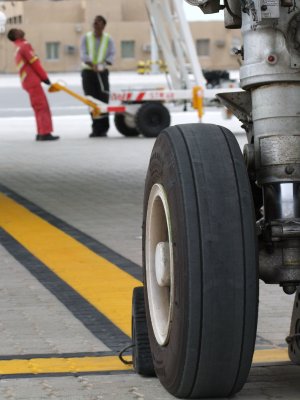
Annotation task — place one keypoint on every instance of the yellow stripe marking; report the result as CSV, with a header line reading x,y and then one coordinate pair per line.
x,y
99,281
63,365
270,356
104,285
104,364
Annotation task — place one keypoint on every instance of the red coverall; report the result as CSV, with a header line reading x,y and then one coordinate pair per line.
x,y
31,74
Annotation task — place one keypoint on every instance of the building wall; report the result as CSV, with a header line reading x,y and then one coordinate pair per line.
x,y
12,9
221,41
13,12
65,22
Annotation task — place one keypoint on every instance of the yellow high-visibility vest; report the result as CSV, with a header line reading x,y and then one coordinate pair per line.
x,y
97,56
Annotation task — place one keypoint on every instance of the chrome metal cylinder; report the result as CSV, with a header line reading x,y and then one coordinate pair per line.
x,y
281,201
279,260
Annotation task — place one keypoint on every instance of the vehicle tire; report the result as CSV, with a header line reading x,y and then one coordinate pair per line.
x,y
141,352
200,262
124,127
151,118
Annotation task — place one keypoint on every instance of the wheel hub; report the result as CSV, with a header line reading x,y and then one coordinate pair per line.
x,y
159,263
162,264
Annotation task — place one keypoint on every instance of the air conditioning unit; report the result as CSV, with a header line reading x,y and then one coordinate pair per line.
x,y
220,43
70,49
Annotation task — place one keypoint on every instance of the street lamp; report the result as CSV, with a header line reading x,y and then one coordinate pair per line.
x,y
2,22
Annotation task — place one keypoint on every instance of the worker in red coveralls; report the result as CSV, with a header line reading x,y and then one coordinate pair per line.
x,y
32,74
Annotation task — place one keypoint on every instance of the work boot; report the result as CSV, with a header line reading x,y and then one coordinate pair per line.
x,y
48,136
93,135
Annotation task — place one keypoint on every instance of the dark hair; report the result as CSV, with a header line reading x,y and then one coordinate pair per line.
x,y
11,35
100,18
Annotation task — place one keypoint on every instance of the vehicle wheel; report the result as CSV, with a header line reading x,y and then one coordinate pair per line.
x,y
141,353
125,125
151,118
200,262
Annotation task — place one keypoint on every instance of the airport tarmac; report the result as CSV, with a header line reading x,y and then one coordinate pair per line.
x,y
70,231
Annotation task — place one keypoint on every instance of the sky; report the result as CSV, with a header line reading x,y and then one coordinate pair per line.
x,y
195,14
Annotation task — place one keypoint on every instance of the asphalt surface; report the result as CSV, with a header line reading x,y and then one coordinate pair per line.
x,y
80,199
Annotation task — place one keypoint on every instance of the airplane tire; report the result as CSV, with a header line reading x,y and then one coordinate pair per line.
x,y
200,262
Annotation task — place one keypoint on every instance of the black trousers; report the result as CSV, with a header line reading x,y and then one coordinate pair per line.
x,y
96,84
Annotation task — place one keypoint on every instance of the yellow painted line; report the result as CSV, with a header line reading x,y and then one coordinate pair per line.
x,y
104,364
103,284
270,356
63,365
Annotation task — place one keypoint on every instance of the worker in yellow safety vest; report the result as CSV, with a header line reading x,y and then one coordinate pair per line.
x,y
97,51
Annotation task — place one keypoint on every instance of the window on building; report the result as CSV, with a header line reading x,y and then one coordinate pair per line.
x,y
202,46
52,50
15,20
128,49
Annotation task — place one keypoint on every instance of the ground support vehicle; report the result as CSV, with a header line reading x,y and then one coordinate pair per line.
x,y
139,112
215,221
146,112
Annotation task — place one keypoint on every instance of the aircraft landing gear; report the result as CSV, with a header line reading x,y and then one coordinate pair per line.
x,y
200,261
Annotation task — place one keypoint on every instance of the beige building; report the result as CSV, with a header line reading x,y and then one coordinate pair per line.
x,y
55,28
